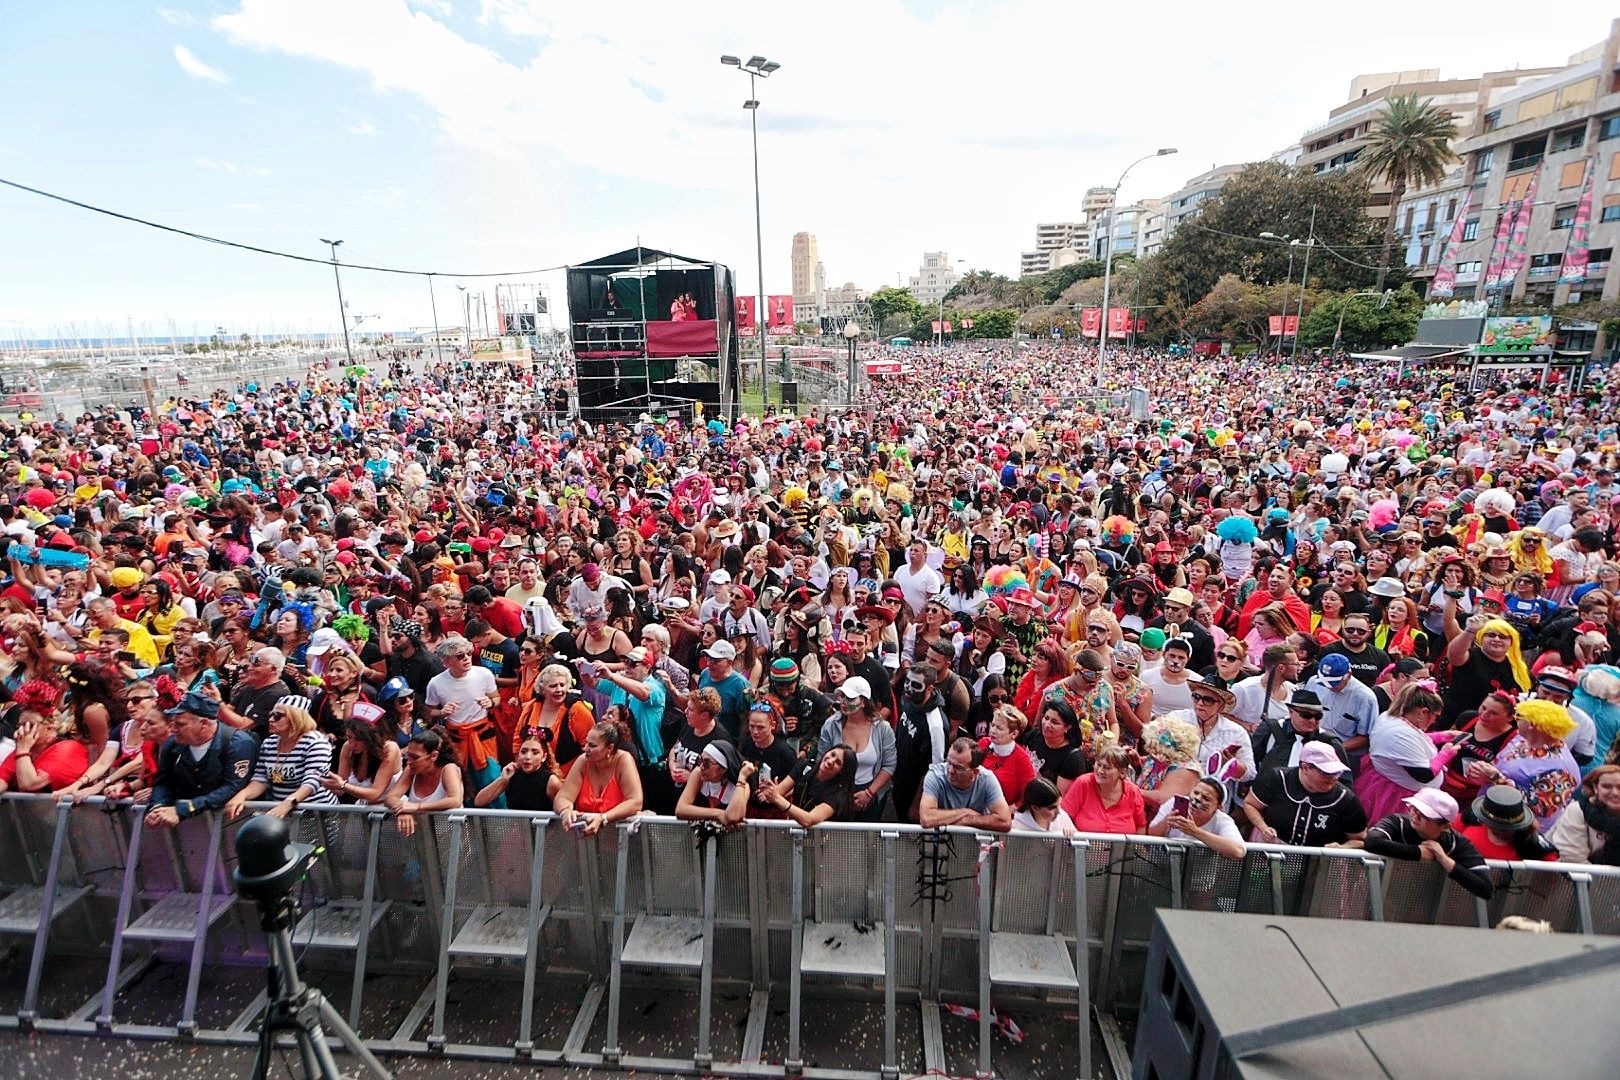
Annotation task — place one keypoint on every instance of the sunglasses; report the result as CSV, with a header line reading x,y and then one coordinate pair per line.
x,y
997,699
1231,656
1205,699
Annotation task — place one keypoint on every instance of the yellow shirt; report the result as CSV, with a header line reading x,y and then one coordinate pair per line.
x,y
140,642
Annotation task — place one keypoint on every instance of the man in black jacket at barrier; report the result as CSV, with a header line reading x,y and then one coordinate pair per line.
x,y
201,765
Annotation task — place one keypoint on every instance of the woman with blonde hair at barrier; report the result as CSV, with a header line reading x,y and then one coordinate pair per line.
x,y
293,761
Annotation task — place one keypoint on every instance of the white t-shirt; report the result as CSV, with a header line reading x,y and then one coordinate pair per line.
x,y
464,692
1166,696
918,585
1221,824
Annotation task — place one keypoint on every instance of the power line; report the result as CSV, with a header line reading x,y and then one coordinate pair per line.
x,y
263,250
1319,245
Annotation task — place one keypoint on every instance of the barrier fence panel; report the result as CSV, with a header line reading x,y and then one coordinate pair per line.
x,y
1022,921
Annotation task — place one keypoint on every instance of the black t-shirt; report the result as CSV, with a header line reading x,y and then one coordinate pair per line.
x,y
257,703
527,791
1306,818
501,658
1471,682
1052,762
780,757
1364,665
689,745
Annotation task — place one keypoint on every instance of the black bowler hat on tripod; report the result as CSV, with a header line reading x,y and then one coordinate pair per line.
x,y
268,866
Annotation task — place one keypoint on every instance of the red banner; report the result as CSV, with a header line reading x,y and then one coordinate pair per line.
x,y
694,337
779,314
1277,324
1577,253
1445,274
1090,321
937,327
745,314
1119,322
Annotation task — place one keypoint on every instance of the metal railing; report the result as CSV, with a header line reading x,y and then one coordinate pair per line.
x,y
895,916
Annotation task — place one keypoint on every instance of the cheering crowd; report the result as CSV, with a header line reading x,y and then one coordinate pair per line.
x,y
1316,604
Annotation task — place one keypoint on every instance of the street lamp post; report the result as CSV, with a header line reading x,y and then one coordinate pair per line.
x,y
757,68
1108,259
434,300
1304,276
852,333
1338,331
343,311
1287,280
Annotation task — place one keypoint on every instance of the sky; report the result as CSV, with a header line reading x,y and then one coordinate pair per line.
x,y
459,137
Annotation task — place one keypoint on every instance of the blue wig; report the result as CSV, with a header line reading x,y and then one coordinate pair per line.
x,y
1237,529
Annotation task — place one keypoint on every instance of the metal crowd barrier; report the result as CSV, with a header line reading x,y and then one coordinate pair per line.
x,y
890,916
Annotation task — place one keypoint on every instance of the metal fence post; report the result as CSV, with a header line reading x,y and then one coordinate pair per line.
x,y
205,905
447,931
891,966
1082,960
47,914
794,1063
984,956
537,873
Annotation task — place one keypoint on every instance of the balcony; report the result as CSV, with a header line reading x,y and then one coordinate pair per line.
x,y
1527,162
1541,273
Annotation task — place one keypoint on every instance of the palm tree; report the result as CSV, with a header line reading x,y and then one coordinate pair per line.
x,y
1410,144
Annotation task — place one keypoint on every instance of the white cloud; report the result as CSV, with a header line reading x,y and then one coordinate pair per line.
x,y
953,125
220,165
176,18
196,68
363,127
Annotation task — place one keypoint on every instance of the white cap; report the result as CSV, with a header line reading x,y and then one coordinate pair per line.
x,y
721,650
855,687
720,577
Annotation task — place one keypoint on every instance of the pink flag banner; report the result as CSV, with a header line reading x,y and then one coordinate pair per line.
x,y
1445,275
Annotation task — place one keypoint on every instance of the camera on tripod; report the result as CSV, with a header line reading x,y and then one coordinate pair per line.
x,y
268,865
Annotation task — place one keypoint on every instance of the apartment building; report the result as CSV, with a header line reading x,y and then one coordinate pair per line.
x,y
809,279
1557,131
1340,140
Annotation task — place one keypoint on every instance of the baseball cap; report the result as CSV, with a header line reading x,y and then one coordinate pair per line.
x,y
721,650
1152,638
1433,804
855,687
195,703
720,577
1334,666
1321,755
637,655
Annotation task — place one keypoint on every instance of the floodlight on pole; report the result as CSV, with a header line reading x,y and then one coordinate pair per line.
x,y
1108,258
758,67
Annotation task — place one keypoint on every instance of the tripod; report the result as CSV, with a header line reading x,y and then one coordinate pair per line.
x,y
299,1008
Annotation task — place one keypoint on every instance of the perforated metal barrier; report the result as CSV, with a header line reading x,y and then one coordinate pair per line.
x,y
500,934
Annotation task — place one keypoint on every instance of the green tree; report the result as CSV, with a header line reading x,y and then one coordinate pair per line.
x,y
991,324
1410,144
1054,282
1267,197
894,303
1370,322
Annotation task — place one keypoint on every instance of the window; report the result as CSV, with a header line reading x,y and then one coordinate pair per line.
x,y
1472,267
1451,209
1471,229
1610,213
1482,162
1552,258
1406,228
1569,138
1526,152
1564,216
1609,127
1600,255
1493,119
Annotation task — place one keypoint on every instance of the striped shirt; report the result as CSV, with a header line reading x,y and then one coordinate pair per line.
x,y
302,766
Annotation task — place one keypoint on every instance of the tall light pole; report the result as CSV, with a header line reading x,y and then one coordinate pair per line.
x,y
1108,259
757,68
1292,244
343,311
466,317
434,300
852,333
1304,276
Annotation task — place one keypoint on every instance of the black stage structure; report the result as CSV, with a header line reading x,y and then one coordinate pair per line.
x,y
631,352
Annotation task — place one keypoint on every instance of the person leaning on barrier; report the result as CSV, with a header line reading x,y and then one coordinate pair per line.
x,y
293,763
603,785
1424,833
719,789
1201,819
1306,805
822,789
431,780
961,791
201,766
